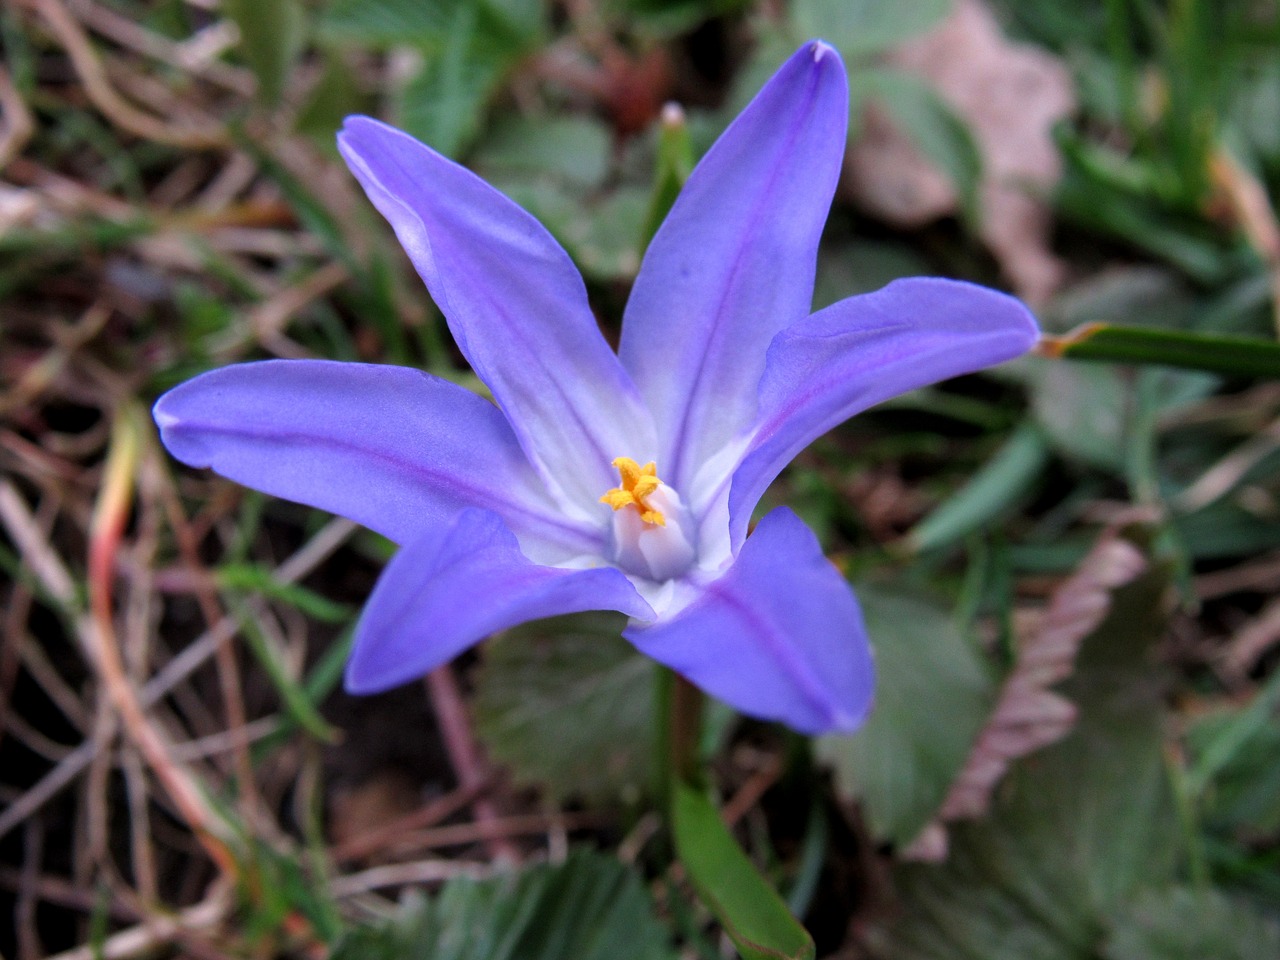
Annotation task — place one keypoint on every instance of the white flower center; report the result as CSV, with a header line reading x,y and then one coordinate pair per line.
x,y
653,534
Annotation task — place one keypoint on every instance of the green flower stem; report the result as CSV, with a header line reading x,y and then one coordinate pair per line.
x,y
686,731
747,906
679,707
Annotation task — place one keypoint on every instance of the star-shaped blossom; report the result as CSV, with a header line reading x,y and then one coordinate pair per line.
x,y
603,481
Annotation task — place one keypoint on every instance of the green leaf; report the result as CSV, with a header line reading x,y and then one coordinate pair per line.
x,y
568,704
1220,742
297,702
1104,415
573,151
851,266
1085,412
444,101
443,104
284,885
860,28
1077,830
751,912
1139,295
668,19
937,131
387,23
991,493
1235,763
1180,923
259,579
522,19
321,680
1256,103
271,37
1232,356
1102,193
933,693
1226,529
335,96
589,908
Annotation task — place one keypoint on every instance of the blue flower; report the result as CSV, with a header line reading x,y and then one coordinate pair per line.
x,y
603,481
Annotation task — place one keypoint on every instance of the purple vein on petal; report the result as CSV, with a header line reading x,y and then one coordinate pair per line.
x,y
734,262
390,447
512,330
720,328
786,655
517,307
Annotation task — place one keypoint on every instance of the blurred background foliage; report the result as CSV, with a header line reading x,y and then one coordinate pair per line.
x,y
1069,569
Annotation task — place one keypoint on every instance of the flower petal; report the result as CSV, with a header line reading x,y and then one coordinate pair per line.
x,y
779,636
393,448
453,587
734,261
866,349
516,305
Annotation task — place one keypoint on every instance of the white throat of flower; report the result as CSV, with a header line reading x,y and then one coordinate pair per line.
x,y
653,534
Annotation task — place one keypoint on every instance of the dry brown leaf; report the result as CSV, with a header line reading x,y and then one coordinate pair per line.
x,y
363,808
1028,715
1010,95
1251,642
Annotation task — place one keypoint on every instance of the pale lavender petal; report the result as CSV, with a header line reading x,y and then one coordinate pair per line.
x,y
779,636
734,262
860,351
516,305
393,448
453,587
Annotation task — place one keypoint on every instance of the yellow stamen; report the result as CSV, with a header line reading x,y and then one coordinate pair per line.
x,y
637,483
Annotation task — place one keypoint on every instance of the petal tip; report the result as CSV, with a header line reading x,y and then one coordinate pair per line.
x,y
353,121
376,664
163,418
821,49
358,681
844,721
361,133
347,130
181,443
351,685
1025,328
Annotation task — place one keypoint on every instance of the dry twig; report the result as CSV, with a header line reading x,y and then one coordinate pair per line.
x,y
208,134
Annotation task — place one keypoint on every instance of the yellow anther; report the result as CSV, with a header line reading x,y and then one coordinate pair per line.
x,y
637,483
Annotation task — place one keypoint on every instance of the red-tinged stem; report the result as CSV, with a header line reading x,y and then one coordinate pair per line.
x,y
109,517
464,754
